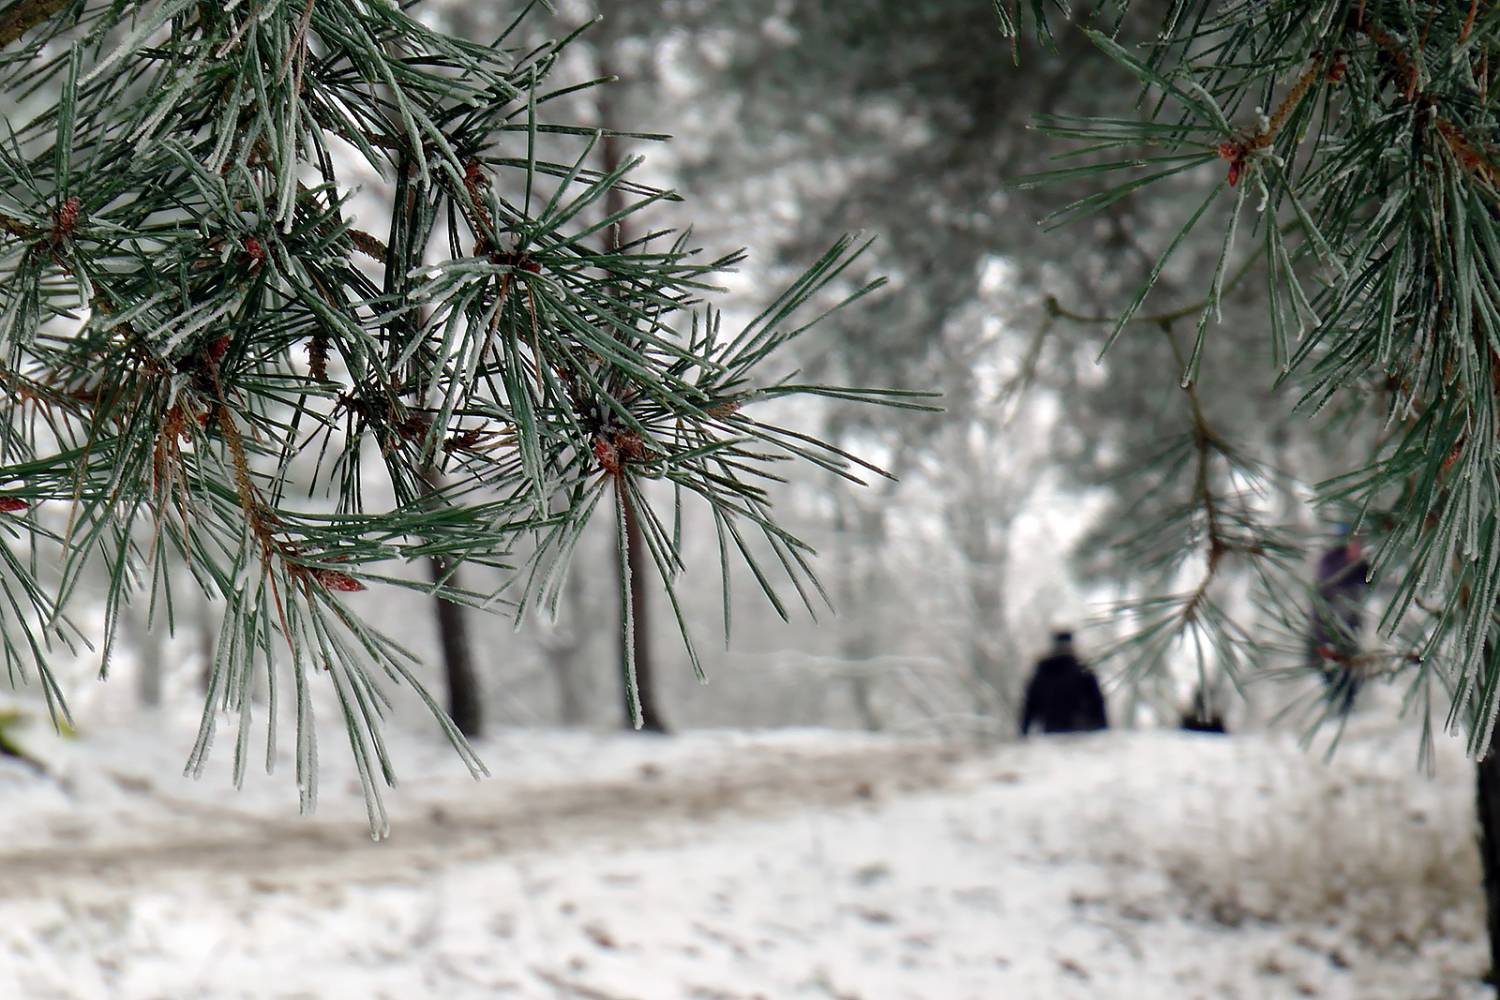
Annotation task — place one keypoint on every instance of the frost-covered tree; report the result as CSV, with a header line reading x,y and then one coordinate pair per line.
x,y
906,116
1354,152
211,365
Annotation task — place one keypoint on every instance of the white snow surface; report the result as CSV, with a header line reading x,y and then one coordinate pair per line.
x,y
728,866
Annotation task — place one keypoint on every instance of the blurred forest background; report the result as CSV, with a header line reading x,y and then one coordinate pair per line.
x,y
906,122
1056,489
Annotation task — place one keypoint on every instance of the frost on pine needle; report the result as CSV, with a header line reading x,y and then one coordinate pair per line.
x,y
224,352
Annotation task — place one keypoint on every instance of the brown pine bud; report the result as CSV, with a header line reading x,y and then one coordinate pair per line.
x,y
335,580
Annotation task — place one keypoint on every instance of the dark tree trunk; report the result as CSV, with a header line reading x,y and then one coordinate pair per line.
x,y
613,155
1487,810
409,235
1487,805
561,646
640,635
464,704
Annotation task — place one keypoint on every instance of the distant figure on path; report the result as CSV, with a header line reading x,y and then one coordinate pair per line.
x,y
1337,616
1203,716
1063,696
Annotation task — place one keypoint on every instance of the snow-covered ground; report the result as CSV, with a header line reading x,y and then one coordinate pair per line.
x,y
721,865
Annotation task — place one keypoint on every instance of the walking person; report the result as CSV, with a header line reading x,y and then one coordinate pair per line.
x,y
1064,695
1337,618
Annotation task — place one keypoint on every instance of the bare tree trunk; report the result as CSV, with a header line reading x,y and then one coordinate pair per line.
x,y
404,249
986,596
148,657
640,634
856,591
862,691
465,701
613,156
1487,810
1487,805
562,660
982,505
561,646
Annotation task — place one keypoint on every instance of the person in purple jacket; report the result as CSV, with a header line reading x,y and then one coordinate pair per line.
x,y
1337,617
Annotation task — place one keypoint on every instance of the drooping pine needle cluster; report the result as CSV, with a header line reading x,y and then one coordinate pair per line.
x,y
207,356
1358,151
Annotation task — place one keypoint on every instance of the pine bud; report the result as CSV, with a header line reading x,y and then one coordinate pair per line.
x,y
335,580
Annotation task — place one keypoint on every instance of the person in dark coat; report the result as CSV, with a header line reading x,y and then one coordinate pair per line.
x,y
1202,716
1064,695
1337,617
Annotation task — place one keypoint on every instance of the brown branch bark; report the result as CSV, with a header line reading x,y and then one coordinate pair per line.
x,y
23,15
16,227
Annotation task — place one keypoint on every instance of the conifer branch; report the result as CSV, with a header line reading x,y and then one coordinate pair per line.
x,y
156,329
1204,448
1385,283
15,227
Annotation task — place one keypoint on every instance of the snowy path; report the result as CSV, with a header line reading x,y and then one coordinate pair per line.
x,y
733,867
491,819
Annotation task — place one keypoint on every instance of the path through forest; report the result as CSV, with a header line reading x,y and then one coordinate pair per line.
x,y
731,866
492,819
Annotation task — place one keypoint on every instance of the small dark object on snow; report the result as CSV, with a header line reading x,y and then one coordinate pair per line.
x,y
1337,616
1064,695
1202,716
12,749
1194,723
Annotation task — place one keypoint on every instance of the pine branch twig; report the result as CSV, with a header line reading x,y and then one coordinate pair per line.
x,y
23,15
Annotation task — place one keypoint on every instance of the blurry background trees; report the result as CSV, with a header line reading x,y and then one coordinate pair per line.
x,y
214,371
1357,144
793,123
905,121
